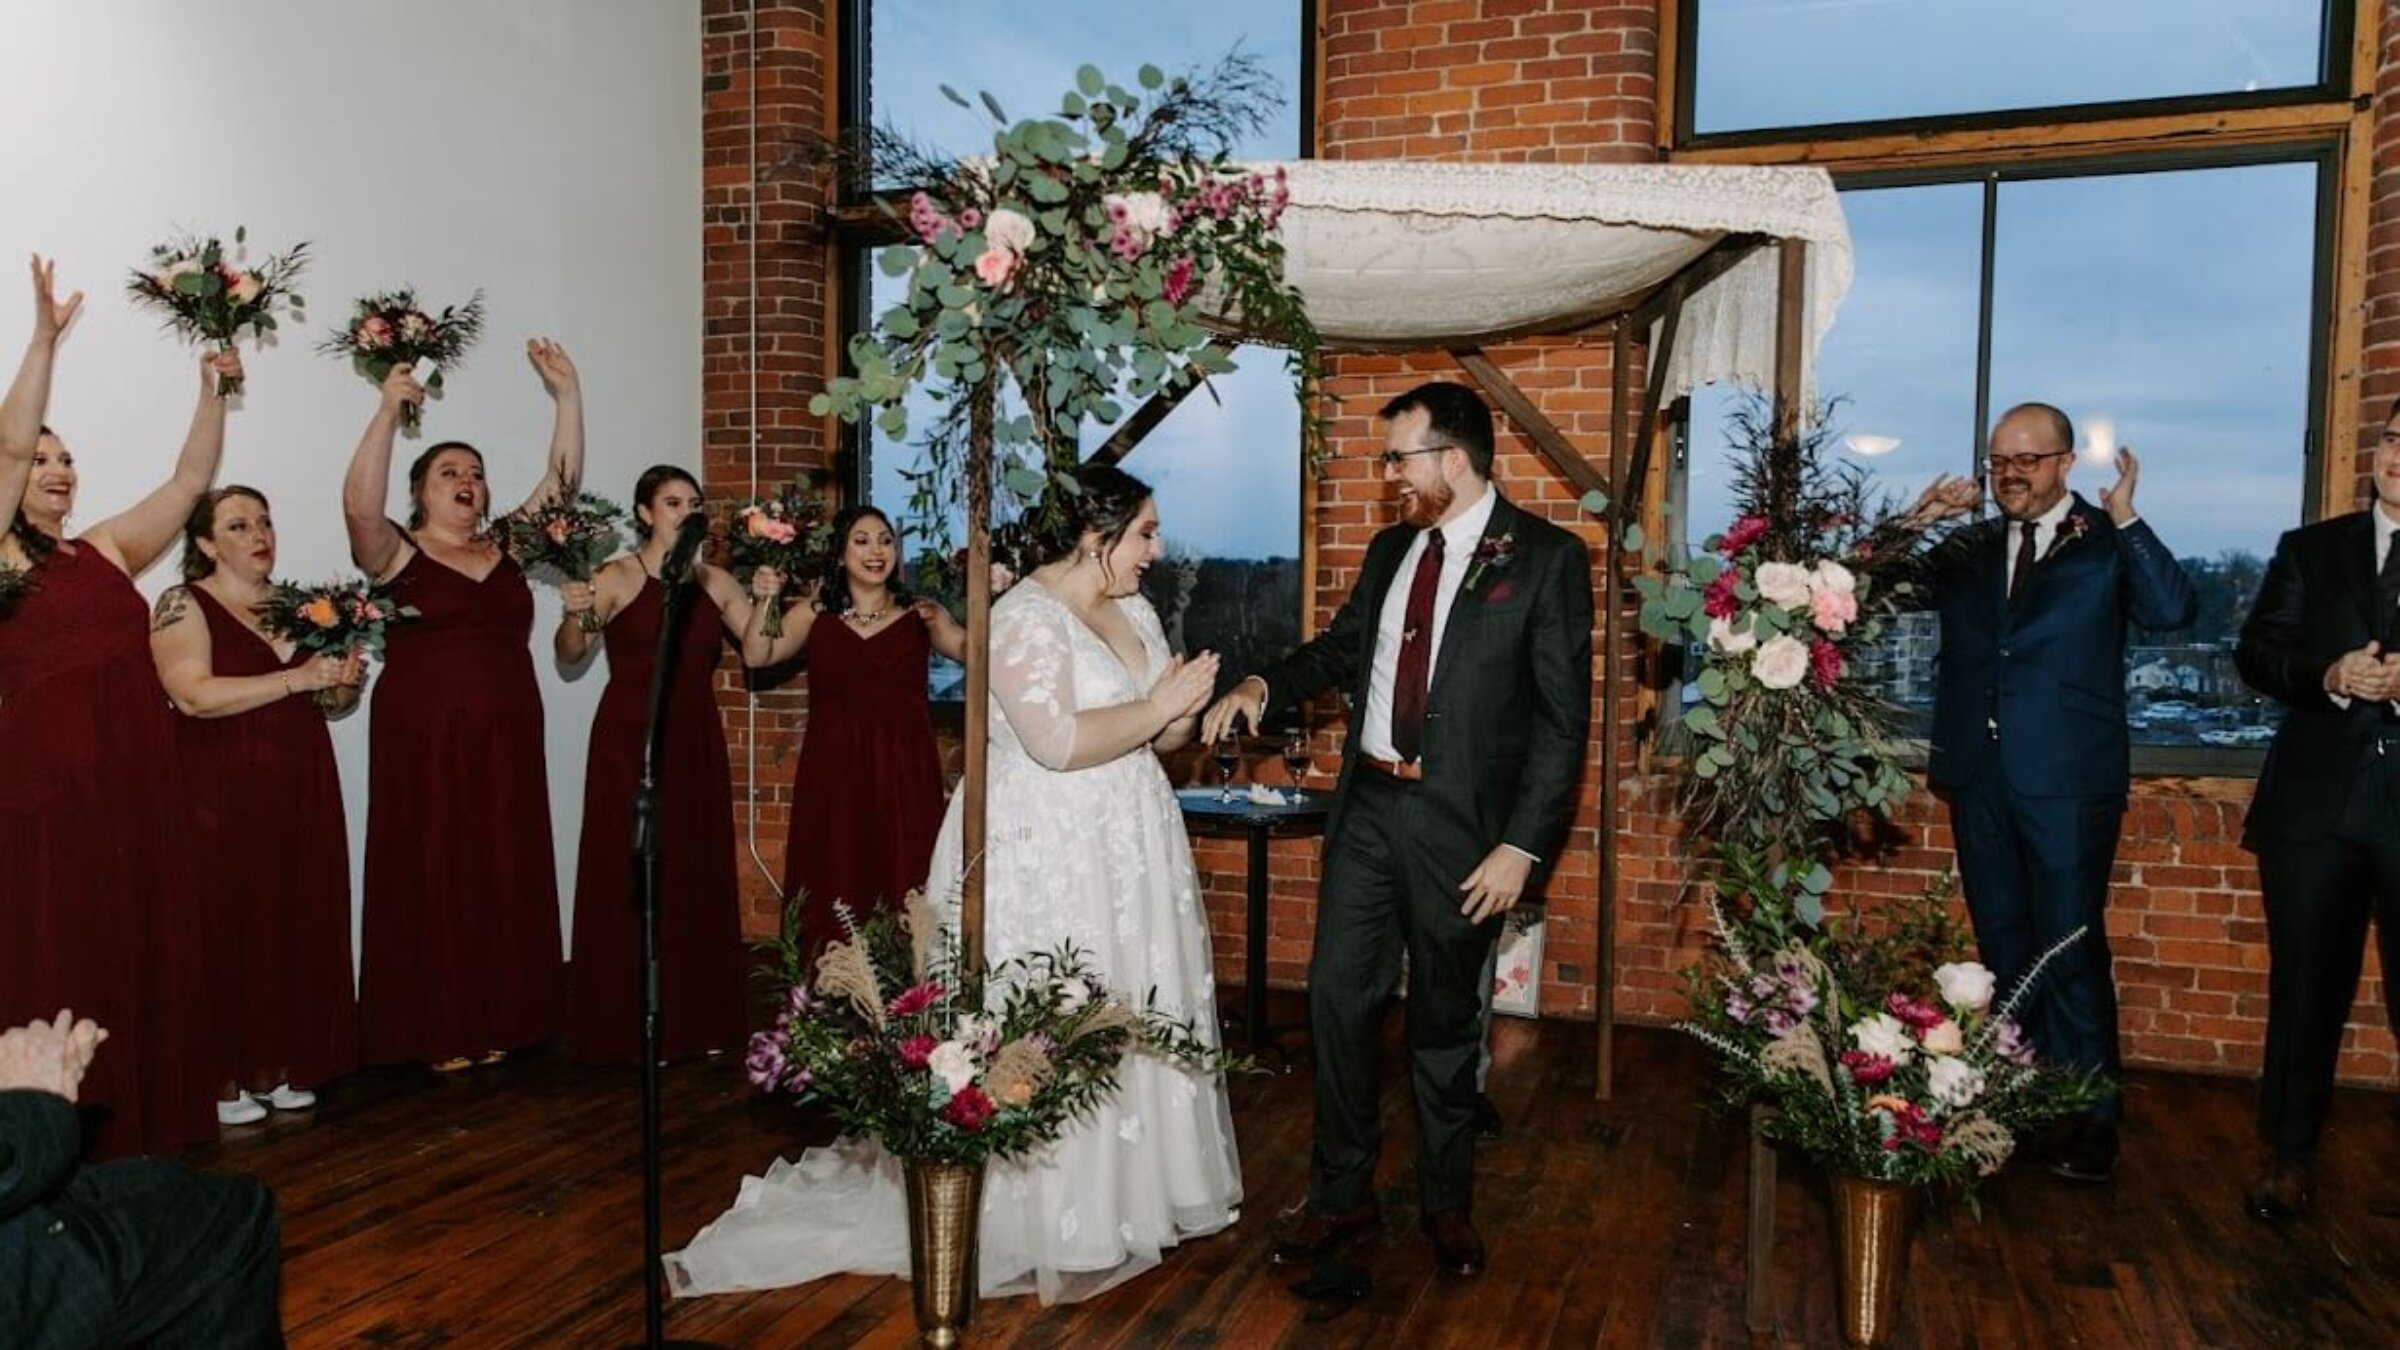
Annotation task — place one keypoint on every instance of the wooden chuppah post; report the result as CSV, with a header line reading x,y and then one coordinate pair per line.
x,y
979,668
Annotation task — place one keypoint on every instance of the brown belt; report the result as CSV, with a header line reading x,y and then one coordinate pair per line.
x,y
1406,770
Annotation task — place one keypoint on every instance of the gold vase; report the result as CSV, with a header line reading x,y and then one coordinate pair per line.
x,y
1873,1221
945,1211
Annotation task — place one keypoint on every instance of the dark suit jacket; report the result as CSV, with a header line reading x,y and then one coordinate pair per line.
x,y
2317,602
1508,716
52,1294
2048,666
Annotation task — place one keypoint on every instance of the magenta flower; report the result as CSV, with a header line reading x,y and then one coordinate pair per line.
x,y
1719,601
969,1109
1864,1069
1745,532
915,1000
1824,663
765,1061
1179,281
917,1051
1919,1014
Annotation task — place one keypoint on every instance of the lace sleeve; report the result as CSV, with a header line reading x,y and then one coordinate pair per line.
x,y
1033,680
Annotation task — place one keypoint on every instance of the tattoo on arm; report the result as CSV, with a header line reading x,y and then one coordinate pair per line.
x,y
171,608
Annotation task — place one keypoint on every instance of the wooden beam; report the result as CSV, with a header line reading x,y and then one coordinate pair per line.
x,y
1604,960
1628,506
2050,141
2345,365
1545,435
1154,410
1791,337
1671,38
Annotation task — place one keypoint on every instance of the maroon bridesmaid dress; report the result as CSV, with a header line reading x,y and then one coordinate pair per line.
x,y
275,862
867,792
98,907
459,953
699,909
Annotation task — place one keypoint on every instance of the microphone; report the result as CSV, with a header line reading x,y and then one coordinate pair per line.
x,y
688,538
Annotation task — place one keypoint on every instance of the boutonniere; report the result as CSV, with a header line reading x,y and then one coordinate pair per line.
x,y
1493,553
2070,532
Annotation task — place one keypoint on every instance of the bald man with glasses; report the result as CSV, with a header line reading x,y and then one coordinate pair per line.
x,y
2030,744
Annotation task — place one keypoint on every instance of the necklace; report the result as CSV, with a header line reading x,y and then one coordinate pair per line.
x,y
866,618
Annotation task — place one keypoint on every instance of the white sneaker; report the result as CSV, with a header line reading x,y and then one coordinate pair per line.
x,y
285,1097
244,1109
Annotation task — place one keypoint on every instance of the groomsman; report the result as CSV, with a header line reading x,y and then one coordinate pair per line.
x,y
2325,821
1466,650
2030,745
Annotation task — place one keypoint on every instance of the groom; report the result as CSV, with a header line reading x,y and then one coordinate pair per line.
x,y
1466,652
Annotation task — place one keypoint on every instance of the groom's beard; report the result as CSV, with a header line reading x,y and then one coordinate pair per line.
x,y
1425,506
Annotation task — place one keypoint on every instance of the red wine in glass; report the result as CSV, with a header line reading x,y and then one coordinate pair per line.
x,y
1228,753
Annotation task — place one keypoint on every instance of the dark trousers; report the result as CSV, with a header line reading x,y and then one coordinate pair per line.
x,y
2319,893
185,1259
2036,869
1391,874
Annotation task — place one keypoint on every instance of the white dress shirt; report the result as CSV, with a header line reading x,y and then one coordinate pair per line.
x,y
2045,530
1459,538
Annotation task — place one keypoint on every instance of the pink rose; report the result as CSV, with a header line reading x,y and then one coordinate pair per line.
x,y
374,332
1944,1038
244,287
995,267
1833,611
780,531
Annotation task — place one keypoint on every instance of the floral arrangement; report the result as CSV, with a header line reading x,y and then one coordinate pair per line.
x,y
568,540
788,532
1789,744
904,1047
341,616
1877,1040
208,298
391,329
1069,271
15,584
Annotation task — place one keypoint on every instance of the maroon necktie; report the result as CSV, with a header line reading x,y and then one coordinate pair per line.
x,y
2024,568
1416,652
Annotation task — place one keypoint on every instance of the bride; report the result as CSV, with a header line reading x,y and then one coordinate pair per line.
x,y
1085,845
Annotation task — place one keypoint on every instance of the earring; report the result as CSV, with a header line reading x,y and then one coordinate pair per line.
x,y
1091,555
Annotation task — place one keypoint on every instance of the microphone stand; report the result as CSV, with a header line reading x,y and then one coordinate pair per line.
x,y
674,607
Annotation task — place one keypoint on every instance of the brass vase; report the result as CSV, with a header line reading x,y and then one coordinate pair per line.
x,y
1873,1221
945,1211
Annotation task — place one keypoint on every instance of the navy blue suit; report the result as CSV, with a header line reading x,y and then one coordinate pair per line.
x,y
2031,750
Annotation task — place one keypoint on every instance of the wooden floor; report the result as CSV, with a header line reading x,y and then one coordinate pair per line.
x,y
502,1208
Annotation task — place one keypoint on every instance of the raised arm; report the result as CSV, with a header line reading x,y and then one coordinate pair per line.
x,y
376,544
562,476
28,398
135,537
186,660
766,593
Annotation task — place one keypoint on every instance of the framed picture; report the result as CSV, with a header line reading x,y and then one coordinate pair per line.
x,y
1517,981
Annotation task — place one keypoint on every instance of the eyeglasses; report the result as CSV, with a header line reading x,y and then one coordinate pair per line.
x,y
1390,459
2020,463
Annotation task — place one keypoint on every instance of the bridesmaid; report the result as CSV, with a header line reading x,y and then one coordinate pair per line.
x,y
699,912
96,906
274,851
867,790
459,950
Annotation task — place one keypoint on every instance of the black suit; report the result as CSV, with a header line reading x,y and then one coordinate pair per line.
x,y
1507,723
2325,820
139,1252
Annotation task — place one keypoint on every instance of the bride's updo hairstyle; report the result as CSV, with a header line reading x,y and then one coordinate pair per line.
x,y
1105,502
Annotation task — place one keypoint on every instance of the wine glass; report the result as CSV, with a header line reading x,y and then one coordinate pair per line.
x,y
1295,761
1227,750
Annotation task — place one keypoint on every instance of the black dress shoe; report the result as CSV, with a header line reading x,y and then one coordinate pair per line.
x,y
2282,1190
1313,1235
2090,1155
1457,1247
1487,1118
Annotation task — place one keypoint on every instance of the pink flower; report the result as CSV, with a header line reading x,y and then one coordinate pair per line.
x,y
995,267
1719,601
1126,242
969,1108
1833,611
243,287
1745,532
917,1051
970,218
780,531
916,999
1824,663
374,332
1865,1069
1179,281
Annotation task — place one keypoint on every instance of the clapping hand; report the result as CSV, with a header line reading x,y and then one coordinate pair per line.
x,y
1182,689
1948,495
2366,673
2118,500
50,317
49,1056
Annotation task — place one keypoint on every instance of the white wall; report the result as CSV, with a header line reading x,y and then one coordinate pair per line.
x,y
545,150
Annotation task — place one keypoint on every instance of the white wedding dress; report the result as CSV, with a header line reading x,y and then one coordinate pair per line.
x,y
1096,857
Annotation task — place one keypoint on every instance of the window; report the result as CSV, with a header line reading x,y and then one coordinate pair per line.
x,y
1751,65
2170,310
1226,463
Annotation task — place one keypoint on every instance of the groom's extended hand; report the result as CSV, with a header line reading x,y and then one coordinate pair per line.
x,y
1246,700
1496,884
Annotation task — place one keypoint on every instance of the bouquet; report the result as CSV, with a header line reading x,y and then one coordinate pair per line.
x,y
15,584
391,329
788,532
568,539
906,1048
339,617
206,297
1878,1041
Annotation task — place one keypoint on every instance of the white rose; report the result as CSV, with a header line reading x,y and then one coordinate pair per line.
x,y
1832,576
978,1030
951,1063
1885,1035
1781,662
1011,230
1944,1038
1783,584
1953,1082
1966,985
1072,995
1723,638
